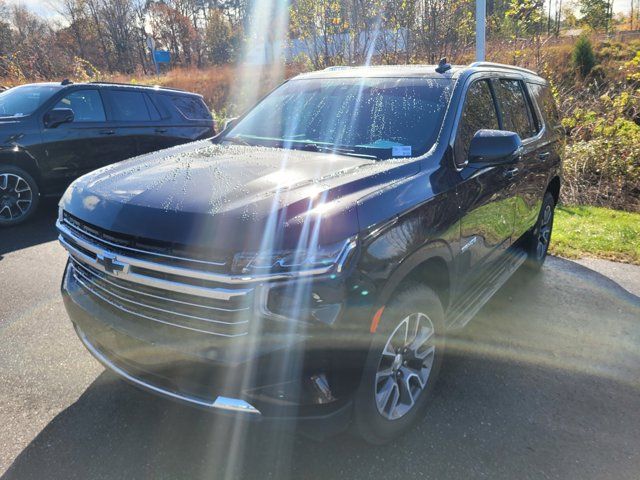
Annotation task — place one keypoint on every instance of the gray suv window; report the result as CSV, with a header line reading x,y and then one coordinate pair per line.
x,y
129,106
191,108
547,104
86,105
479,113
516,115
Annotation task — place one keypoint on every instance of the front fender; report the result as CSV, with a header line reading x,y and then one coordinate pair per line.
x,y
19,157
439,249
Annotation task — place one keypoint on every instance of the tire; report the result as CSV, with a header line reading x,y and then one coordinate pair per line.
x,y
379,425
19,196
537,245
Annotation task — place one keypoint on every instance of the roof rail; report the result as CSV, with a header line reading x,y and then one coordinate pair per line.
x,y
123,84
502,65
336,68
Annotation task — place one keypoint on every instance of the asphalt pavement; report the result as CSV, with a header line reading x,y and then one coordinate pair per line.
x,y
544,383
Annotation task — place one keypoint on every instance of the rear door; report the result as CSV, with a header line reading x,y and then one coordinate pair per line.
x,y
530,173
135,121
485,196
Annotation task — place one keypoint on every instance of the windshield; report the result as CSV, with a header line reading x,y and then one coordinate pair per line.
x,y
24,100
377,117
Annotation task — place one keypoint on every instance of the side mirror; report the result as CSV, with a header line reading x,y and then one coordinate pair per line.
x,y
494,147
56,117
230,123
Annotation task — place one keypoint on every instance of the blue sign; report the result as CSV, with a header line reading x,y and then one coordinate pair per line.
x,y
162,56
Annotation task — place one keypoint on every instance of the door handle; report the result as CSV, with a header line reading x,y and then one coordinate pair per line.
x,y
161,130
544,155
512,172
107,132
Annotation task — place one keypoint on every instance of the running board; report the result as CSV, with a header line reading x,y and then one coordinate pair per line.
x,y
470,304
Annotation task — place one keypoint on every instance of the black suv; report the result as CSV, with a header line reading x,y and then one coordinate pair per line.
x,y
51,134
308,263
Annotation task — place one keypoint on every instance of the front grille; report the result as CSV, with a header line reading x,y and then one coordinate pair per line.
x,y
180,293
159,252
185,311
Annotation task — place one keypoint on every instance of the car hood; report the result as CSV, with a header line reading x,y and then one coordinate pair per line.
x,y
230,197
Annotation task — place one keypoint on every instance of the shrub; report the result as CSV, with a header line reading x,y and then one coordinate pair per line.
x,y
583,58
602,164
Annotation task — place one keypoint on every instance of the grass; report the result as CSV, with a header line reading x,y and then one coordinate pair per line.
x,y
596,232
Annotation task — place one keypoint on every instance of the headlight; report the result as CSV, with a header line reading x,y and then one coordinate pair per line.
x,y
317,260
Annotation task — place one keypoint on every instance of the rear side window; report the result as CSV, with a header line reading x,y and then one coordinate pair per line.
x,y
153,110
514,106
544,98
192,108
86,105
130,106
479,113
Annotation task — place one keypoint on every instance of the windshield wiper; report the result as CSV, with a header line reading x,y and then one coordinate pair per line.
x,y
237,141
315,147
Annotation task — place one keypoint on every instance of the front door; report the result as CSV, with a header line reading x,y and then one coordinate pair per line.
x,y
72,149
485,196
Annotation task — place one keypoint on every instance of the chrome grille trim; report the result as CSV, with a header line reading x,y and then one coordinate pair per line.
x,y
165,322
151,307
157,297
148,265
168,285
184,272
137,250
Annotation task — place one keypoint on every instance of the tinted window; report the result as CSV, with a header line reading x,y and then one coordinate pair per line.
x,y
191,108
153,110
544,99
86,105
21,101
479,113
129,106
516,115
379,117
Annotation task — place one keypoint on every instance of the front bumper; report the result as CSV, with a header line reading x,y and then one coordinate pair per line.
x,y
286,377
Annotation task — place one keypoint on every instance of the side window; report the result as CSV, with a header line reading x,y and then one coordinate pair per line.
x,y
479,113
86,105
153,110
129,106
516,114
544,99
191,108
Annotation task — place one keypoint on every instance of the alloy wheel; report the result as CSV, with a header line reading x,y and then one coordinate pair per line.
x,y
405,366
544,233
16,196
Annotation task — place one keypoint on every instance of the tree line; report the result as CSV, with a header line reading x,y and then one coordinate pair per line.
x,y
87,37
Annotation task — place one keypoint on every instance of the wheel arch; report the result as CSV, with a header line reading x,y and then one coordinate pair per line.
x,y
430,266
21,159
554,188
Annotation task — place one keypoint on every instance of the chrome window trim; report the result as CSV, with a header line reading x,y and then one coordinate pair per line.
x,y
508,74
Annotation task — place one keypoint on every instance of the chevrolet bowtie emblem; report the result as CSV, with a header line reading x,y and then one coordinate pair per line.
x,y
110,264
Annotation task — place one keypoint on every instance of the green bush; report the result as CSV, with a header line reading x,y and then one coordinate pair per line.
x,y
602,163
583,58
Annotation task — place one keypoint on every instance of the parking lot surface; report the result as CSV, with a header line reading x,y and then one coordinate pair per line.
x,y
544,383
